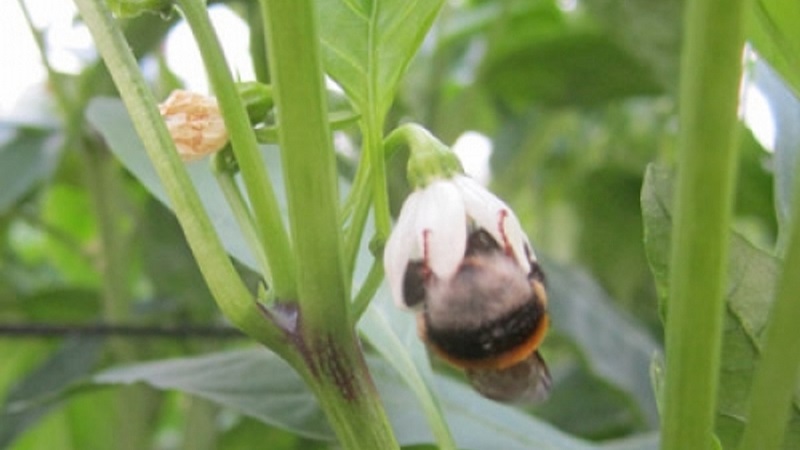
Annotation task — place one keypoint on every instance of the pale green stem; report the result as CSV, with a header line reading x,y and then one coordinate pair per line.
x,y
269,224
711,70
227,288
338,374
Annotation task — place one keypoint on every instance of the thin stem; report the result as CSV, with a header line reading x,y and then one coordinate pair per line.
x,y
262,197
227,288
368,290
230,189
373,145
711,70
336,372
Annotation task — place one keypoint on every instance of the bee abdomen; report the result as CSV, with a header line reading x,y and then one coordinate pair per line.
x,y
477,346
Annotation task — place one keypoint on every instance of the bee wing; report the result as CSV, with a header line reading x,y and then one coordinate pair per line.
x,y
525,382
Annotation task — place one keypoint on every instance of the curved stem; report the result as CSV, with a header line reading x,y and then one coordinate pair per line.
x,y
262,197
224,282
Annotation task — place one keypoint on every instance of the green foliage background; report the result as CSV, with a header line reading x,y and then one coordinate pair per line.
x,y
580,105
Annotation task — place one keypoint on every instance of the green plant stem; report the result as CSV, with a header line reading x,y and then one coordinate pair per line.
x,y
230,189
777,374
711,70
368,289
373,145
262,197
227,288
336,370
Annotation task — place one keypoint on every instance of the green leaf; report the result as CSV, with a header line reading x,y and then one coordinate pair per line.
x,y
34,396
751,282
28,158
575,67
649,30
368,44
259,384
254,382
614,346
774,32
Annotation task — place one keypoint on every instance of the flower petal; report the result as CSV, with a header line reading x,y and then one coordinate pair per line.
x,y
494,216
441,225
401,246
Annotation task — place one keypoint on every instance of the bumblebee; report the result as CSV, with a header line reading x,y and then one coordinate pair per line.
x,y
489,319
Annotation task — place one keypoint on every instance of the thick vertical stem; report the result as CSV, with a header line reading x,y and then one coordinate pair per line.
x,y
336,369
711,70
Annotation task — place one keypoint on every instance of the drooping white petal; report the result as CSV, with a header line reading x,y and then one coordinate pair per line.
x,y
441,227
494,216
401,246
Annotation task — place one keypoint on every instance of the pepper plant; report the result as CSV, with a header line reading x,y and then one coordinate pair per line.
x,y
596,111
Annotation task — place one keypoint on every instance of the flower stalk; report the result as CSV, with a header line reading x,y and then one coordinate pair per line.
x,y
266,212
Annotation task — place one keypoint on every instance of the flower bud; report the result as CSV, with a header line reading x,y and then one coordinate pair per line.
x,y
195,124
459,258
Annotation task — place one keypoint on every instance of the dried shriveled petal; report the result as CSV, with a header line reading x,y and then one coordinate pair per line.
x,y
195,124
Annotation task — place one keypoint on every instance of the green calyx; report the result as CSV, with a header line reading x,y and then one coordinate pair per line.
x,y
429,159
125,9
257,99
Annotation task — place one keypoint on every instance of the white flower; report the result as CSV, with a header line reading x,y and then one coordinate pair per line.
x,y
433,229
195,124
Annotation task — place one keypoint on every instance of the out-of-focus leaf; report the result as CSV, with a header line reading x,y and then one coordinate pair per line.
x,y
615,347
650,30
35,395
68,212
571,68
62,304
785,108
253,382
751,281
582,404
774,32
247,431
27,159
111,119
368,44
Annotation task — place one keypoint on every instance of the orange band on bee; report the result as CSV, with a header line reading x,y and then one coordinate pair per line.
x,y
500,361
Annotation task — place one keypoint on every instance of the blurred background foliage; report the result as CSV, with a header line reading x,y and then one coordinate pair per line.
x,y
577,98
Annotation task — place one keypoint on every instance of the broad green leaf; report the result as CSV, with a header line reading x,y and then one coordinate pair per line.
x,y
260,385
26,159
752,273
573,67
774,32
34,396
368,44
650,30
254,382
614,346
